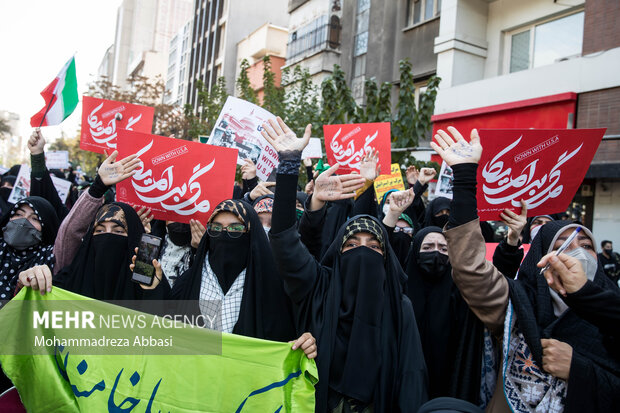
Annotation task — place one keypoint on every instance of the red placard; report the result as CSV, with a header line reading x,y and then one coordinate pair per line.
x,y
492,246
179,180
544,167
347,144
102,119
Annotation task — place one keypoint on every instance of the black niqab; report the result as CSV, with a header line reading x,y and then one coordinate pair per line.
x,y
100,269
266,310
533,306
447,328
433,208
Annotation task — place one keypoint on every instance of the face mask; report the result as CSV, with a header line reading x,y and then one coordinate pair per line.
x,y
5,193
180,234
588,262
21,234
441,220
608,251
386,208
534,231
433,263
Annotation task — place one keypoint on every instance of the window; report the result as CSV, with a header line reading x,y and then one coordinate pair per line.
x,y
546,43
309,38
360,47
419,11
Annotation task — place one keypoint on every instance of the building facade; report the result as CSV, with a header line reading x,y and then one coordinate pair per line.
x,y
178,61
144,29
13,148
534,64
218,26
268,40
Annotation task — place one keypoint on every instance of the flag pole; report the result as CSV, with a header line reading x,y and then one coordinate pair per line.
x,y
49,105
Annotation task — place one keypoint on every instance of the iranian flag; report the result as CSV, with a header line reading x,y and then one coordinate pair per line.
x,y
61,98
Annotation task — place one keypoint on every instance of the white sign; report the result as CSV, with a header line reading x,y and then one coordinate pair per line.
x,y
57,160
63,187
313,150
239,126
444,182
21,189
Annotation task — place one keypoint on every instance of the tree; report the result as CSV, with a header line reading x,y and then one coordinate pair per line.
x,y
210,104
5,128
273,96
89,161
243,83
301,105
168,119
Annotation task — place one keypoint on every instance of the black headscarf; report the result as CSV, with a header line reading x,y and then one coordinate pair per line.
x,y
447,328
100,268
533,306
13,261
433,208
365,327
265,308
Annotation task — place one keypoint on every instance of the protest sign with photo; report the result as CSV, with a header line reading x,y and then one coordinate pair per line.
x,y
385,183
102,119
57,159
346,144
179,180
443,187
21,189
238,127
313,150
543,167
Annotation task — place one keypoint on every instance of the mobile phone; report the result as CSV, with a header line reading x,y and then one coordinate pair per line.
x,y
148,250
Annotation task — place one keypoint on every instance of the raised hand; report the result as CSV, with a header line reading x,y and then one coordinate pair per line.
x,y
515,223
457,150
198,230
368,166
282,138
146,216
158,272
261,189
426,174
399,202
112,172
412,174
330,187
38,277
36,143
248,170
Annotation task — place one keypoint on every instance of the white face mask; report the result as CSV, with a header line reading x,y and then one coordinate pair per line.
x,y
386,208
588,262
534,231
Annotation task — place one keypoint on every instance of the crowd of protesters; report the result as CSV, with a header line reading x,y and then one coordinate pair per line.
x,y
394,298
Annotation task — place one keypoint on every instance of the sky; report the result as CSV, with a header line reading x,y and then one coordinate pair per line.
x,y
37,37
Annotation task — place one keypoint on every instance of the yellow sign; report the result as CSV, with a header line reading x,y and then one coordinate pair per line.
x,y
385,183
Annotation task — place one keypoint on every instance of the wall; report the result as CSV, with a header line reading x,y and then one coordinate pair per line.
x,y
508,15
606,223
601,30
585,74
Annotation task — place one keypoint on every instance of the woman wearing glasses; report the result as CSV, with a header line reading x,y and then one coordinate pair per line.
x,y
234,280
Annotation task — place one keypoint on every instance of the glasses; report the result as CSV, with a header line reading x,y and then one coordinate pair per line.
x,y
233,230
406,230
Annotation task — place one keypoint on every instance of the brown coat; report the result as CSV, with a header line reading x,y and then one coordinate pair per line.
x,y
482,286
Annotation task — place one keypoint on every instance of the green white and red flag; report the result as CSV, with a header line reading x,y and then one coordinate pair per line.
x,y
61,98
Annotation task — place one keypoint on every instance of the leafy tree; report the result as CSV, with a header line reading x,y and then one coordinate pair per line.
x,y
301,105
273,96
243,83
5,128
210,104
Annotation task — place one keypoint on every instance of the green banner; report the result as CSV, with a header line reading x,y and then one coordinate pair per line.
x,y
248,375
